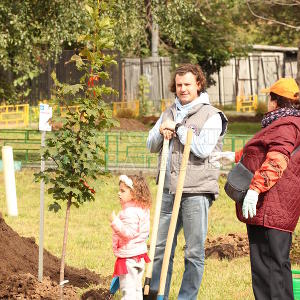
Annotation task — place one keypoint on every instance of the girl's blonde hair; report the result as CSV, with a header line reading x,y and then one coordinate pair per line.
x,y
140,192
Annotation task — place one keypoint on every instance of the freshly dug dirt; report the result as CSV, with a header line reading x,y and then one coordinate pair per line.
x,y
19,270
236,245
26,286
228,246
97,294
131,125
125,124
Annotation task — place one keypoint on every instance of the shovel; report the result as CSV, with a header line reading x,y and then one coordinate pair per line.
x,y
115,285
174,217
161,181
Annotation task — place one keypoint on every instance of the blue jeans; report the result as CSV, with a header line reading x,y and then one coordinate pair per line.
x,y
193,218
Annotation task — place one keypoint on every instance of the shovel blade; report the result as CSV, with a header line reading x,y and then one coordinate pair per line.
x,y
115,285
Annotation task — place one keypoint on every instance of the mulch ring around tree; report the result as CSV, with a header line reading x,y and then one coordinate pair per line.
x,y
236,245
19,270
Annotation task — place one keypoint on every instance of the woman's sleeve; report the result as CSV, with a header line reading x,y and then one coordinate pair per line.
x,y
281,143
238,155
269,172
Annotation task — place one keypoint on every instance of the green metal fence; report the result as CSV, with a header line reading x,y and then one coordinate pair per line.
x,y
123,149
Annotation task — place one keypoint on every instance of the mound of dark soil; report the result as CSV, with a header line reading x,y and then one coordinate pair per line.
x,y
236,245
19,269
131,125
95,294
149,120
26,286
228,246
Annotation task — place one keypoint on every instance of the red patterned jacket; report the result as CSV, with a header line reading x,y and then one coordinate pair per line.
x,y
279,207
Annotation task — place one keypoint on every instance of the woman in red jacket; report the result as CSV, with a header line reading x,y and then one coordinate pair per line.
x,y
271,207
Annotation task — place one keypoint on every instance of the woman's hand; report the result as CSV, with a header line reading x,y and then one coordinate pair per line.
x,y
249,204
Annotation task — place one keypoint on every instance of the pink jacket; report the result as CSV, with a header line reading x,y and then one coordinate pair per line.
x,y
131,230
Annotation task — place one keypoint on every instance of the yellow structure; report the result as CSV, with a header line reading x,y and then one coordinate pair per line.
x,y
11,115
246,104
134,106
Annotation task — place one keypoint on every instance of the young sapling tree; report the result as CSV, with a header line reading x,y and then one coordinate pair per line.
x,y
75,150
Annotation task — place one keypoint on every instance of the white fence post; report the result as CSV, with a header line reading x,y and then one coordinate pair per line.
x,y
9,180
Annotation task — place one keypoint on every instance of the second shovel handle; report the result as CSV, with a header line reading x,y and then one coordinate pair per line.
x,y
175,211
161,182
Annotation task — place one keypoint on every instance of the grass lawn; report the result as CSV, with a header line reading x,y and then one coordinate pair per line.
x,y
243,127
89,241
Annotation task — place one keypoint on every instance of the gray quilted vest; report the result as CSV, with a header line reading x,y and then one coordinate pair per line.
x,y
201,175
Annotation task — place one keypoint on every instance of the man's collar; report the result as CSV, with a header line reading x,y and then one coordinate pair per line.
x,y
202,99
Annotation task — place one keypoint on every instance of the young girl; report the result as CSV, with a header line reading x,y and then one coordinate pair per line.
x,y
130,232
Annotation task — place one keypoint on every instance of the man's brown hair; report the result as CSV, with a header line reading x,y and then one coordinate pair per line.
x,y
189,68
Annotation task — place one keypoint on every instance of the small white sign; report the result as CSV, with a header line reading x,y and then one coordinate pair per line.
x,y
45,116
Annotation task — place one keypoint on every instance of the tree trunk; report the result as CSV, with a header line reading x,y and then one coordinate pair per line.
x,y
155,39
62,264
298,66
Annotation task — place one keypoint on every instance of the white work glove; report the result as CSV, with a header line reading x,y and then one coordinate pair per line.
x,y
249,204
225,158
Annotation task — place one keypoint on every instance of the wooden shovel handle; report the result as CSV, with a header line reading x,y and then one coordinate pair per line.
x,y
175,212
161,182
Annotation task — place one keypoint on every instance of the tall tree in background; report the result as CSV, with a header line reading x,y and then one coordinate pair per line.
x,y
206,32
31,33
274,22
200,32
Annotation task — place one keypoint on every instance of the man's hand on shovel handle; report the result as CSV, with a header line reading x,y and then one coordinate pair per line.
x,y
167,129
